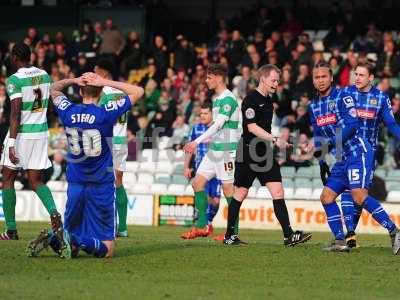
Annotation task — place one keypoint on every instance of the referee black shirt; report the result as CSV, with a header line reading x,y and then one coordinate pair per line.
x,y
258,109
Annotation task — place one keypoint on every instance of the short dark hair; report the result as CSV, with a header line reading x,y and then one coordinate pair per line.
x,y
265,70
207,105
91,91
22,52
106,64
218,69
369,66
323,64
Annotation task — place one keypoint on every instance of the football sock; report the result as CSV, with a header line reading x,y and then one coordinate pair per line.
x,y
93,246
229,200
282,215
200,200
378,213
122,207
334,219
9,202
357,214
347,205
233,216
54,243
212,210
45,196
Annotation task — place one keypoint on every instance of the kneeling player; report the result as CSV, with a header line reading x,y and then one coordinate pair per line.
x,y
90,216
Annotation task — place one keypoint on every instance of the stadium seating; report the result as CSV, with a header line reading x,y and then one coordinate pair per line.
x,y
393,196
158,188
164,178
132,166
189,190
288,171
149,167
145,178
302,193
165,166
140,188
263,193
306,172
57,186
176,189
179,179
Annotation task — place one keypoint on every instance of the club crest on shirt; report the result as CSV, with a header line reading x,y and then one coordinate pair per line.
x,y
331,105
250,113
373,102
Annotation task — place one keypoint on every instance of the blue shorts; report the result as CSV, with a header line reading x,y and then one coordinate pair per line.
x,y
356,171
213,188
90,211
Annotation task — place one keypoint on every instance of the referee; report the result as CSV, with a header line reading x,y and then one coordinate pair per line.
x,y
254,158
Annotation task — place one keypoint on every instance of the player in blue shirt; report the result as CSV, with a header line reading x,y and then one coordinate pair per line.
x,y
373,108
335,124
213,187
90,215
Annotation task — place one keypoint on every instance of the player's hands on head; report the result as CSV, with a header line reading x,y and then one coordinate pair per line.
x,y
13,155
93,79
80,81
190,147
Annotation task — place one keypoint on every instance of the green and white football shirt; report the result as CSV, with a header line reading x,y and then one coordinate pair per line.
x,y
33,86
120,128
227,138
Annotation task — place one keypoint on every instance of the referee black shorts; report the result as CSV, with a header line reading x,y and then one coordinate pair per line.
x,y
246,172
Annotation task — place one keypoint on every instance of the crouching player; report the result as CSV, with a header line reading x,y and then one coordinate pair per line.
x,y
90,215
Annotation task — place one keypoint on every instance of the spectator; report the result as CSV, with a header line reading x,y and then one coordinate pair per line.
x,y
236,49
112,42
184,55
133,54
388,63
159,53
180,129
337,38
302,85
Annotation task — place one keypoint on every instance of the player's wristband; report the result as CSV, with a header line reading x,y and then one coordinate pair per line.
x,y
11,142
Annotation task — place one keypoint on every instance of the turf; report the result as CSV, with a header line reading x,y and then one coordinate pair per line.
x,y
154,263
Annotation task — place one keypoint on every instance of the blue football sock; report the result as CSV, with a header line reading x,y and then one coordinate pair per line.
x,y
347,205
93,246
211,212
334,219
357,214
378,213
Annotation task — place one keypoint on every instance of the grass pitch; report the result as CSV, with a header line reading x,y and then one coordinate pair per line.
x,y
154,263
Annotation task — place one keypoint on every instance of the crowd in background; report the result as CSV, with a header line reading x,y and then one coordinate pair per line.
x,y
173,72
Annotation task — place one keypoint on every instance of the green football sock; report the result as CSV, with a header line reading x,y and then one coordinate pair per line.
x,y
9,202
122,208
201,201
46,197
229,199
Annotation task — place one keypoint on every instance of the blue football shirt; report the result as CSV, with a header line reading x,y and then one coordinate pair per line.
x,y
89,130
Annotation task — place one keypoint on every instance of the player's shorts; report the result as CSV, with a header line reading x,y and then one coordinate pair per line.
x,y
356,171
265,169
90,211
32,154
246,172
120,155
213,188
219,164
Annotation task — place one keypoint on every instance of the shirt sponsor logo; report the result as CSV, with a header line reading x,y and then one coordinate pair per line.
x,y
365,114
326,120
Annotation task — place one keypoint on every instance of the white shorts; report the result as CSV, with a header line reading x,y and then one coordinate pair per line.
x,y
32,154
119,158
218,164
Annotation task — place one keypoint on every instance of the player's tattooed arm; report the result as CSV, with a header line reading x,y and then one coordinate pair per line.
x,y
134,92
59,86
